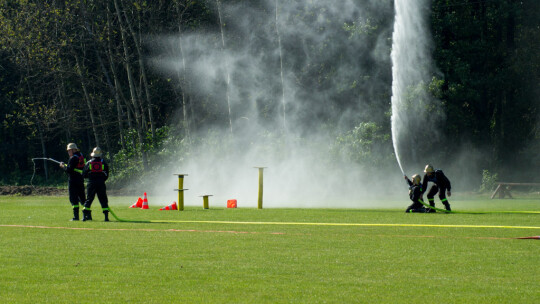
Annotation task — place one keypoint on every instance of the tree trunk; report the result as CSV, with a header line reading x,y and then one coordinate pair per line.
x,y
107,146
506,123
64,108
218,2
132,87
182,75
281,71
41,135
136,39
138,92
43,150
78,69
117,89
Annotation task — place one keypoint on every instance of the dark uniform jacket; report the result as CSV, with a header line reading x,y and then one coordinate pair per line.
x,y
439,179
75,167
415,191
96,170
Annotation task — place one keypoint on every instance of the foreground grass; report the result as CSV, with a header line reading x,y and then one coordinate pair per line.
x,y
47,259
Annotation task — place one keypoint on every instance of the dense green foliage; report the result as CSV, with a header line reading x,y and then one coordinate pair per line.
x,y
489,181
485,50
78,71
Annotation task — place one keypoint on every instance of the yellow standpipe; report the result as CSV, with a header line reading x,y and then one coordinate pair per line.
x,y
260,198
205,201
181,191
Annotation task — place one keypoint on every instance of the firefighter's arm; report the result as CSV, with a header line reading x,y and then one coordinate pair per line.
x,y
424,184
85,170
408,180
417,194
106,170
72,164
449,186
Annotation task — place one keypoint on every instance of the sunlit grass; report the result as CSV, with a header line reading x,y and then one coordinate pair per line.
x,y
47,258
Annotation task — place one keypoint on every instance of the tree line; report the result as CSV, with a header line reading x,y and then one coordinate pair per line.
x,y
77,71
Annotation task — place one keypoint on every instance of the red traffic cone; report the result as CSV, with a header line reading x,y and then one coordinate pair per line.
x,y
145,202
231,203
138,204
172,206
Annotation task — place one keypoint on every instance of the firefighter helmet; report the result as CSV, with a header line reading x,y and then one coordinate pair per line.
x,y
71,146
429,169
96,152
416,179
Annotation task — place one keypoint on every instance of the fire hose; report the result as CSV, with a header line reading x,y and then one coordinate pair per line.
x,y
34,162
473,212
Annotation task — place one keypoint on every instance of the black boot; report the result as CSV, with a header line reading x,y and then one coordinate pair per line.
x,y
447,206
106,213
75,214
431,210
87,215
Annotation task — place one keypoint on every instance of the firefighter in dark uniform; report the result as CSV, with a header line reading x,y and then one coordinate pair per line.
x,y
97,172
74,169
415,194
441,184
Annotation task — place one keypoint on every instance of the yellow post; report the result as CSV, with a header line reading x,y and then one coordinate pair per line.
x,y
260,198
180,191
205,201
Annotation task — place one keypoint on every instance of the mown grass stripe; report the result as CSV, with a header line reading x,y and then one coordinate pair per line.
x,y
350,224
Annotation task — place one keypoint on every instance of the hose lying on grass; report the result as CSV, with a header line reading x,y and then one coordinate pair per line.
x,y
130,221
427,206
475,212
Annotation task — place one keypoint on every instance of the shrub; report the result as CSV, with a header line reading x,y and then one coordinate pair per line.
x,y
488,181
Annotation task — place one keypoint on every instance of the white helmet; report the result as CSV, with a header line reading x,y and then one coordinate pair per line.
x,y
96,152
429,169
71,146
416,179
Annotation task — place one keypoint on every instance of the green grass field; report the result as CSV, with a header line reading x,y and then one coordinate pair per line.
x,y
300,256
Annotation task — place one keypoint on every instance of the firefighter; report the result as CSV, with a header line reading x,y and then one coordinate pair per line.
x,y
441,184
97,172
415,194
74,169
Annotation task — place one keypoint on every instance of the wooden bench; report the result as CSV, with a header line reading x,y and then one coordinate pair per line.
x,y
504,188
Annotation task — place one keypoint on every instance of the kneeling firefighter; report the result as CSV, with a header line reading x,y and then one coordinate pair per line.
x,y
441,184
415,194
97,172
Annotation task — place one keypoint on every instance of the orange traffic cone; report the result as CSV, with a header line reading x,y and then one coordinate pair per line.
x,y
172,206
145,202
138,204
231,203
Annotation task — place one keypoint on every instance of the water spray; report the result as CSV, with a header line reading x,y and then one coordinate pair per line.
x,y
34,162
397,83
44,158
410,59
397,154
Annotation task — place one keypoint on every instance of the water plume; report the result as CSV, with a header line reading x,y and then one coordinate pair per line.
x,y
290,77
411,73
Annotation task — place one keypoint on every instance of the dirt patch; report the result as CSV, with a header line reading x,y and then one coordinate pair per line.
x,y
52,191
31,190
